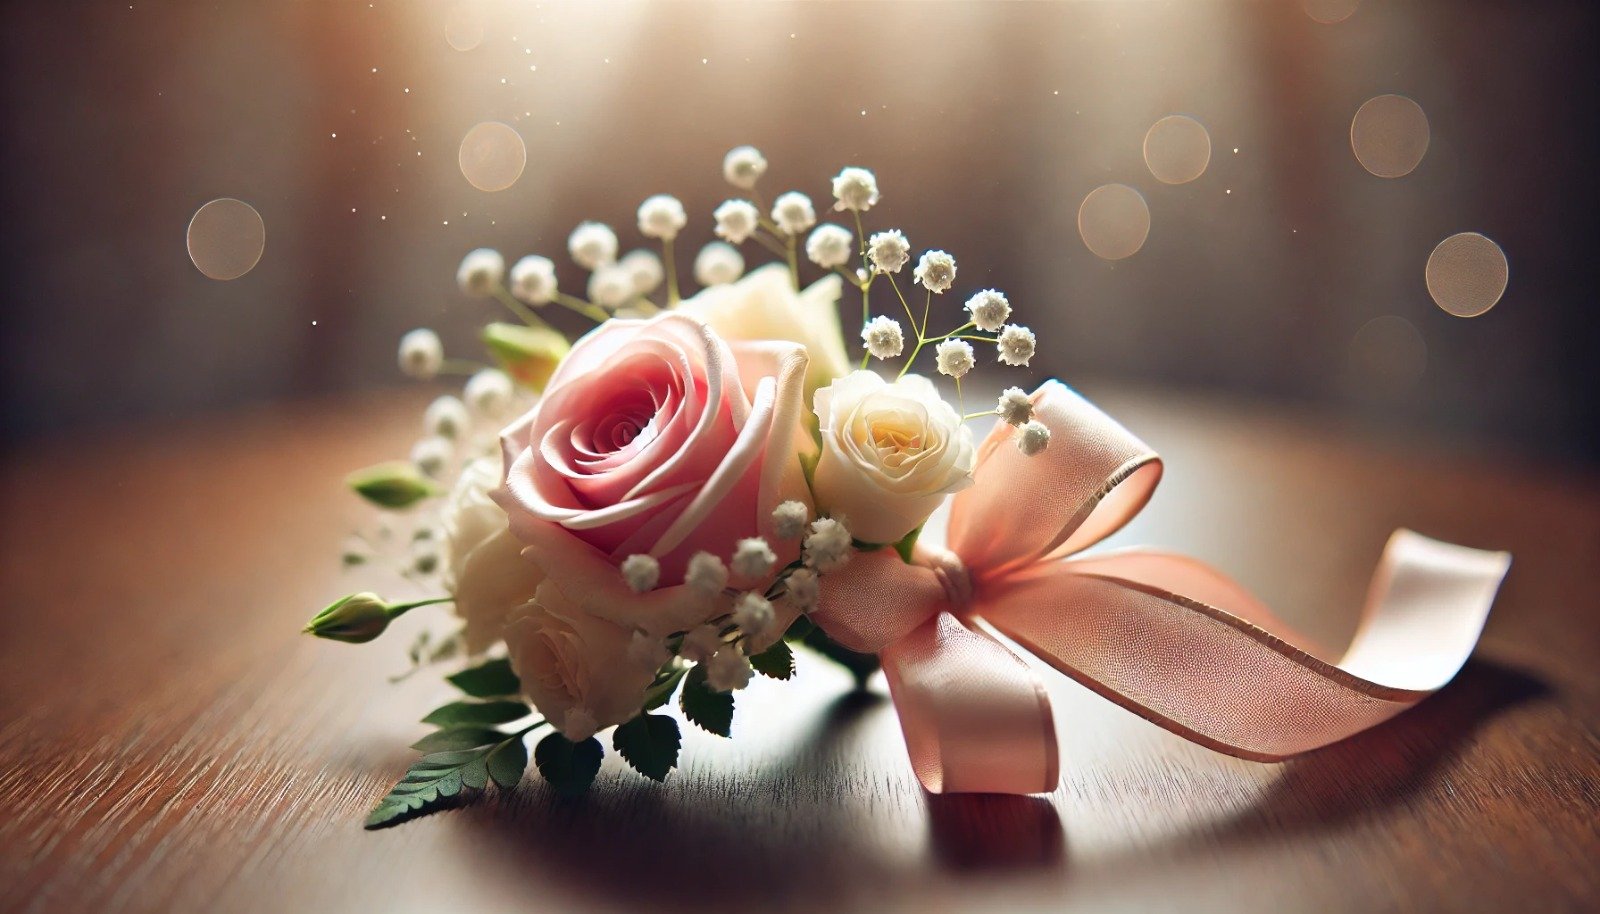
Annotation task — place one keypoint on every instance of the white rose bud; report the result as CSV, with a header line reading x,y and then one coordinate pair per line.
x,y
891,452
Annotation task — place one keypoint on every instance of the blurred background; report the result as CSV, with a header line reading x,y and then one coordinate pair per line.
x,y
1272,243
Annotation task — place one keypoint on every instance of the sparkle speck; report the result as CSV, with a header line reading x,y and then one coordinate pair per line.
x,y
408,90
313,323
1228,191
705,60
1235,150
374,69
334,135
863,112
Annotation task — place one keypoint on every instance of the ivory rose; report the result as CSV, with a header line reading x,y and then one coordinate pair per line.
x,y
575,668
654,437
891,452
484,568
765,306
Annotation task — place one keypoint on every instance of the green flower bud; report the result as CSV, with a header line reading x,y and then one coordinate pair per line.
x,y
395,484
355,619
528,354
360,617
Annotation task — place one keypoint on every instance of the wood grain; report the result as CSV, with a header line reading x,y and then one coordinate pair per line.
x,y
169,742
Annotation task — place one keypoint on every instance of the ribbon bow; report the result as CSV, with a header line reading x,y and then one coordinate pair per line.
x,y
1163,635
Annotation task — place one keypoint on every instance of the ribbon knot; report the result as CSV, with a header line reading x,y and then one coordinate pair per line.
x,y
1161,634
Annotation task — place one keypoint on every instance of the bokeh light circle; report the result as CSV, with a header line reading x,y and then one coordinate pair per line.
x,y
1388,354
1389,135
464,28
1328,12
226,238
1114,221
1467,274
1177,149
492,156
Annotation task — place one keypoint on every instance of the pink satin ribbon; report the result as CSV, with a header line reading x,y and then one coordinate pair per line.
x,y
1165,636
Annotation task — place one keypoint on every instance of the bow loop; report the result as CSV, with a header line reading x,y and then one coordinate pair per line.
x,y
1092,479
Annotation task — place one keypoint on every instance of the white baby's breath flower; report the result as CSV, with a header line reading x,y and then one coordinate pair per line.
x,y
701,644
989,310
1015,345
480,271
954,357
644,270
855,189
752,557
1014,406
592,244
883,337
641,572
736,220
610,286
1033,437
446,417
827,546
647,651
829,246
662,216
743,166
793,213
432,454
753,614
488,393
718,264
936,270
803,588
533,279
706,574
421,354
789,518
729,670
888,251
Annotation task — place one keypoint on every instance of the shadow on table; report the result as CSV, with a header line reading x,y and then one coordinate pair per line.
x,y
803,832
1389,765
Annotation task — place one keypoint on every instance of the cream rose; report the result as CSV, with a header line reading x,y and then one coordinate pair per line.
x,y
891,452
484,568
765,306
574,667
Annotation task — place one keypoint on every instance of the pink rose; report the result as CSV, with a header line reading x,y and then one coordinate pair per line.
x,y
657,437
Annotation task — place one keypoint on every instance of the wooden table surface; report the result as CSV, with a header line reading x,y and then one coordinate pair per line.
x,y
169,742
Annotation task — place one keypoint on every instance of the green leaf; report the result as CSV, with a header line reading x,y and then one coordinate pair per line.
x,y
469,713
649,743
907,544
396,484
507,762
432,780
776,662
569,767
661,692
457,738
710,710
487,680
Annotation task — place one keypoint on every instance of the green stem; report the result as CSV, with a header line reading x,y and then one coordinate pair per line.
x,y
587,309
672,272
770,244
903,303
396,610
916,349
521,310
794,264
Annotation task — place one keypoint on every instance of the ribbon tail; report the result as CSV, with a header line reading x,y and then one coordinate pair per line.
x,y
975,718
1183,646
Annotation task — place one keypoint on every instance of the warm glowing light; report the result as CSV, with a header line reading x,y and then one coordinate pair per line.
x,y
1467,274
226,238
1177,149
492,156
1388,354
464,29
1330,11
1389,135
1114,221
